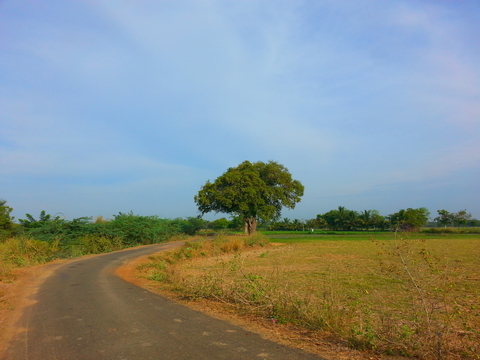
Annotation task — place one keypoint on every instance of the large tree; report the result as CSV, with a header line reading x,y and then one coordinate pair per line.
x,y
253,191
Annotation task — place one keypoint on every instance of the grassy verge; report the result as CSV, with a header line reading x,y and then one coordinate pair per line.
x,y
22,251
394,295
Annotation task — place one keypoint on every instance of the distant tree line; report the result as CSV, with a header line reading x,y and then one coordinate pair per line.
x,y
343,219
459,218
133,229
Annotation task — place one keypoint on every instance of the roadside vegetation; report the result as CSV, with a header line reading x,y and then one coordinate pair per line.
x,y
40,240
393,294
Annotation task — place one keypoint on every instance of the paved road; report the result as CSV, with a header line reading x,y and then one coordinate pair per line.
x,y
84,311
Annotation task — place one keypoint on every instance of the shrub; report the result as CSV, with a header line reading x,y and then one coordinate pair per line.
x,y
24,251
232,245
6,273
141,230
96,244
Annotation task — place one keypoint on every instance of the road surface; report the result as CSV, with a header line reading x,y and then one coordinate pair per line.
x,y
84,311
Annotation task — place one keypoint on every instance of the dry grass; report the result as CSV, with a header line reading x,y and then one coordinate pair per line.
x,y
25,251
100,220
21,251
6,272
96,244
399,296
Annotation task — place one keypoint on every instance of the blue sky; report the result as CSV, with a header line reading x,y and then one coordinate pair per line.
x,y
118,106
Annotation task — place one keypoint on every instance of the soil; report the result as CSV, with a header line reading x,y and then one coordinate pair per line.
x,y
16,295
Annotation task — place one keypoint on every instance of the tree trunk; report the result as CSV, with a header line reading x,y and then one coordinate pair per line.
x,y
250,226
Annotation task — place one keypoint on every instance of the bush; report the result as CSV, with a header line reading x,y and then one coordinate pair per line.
x,y
24,251
191,225
37,242
452,230
4,234
132,229
97,244
233,245
141,230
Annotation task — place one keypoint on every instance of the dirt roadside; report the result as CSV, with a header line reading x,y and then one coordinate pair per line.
x,y
16,295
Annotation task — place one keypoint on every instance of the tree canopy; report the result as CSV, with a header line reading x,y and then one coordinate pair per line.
x,y
252,190
6,221
410,219
346,220
444,217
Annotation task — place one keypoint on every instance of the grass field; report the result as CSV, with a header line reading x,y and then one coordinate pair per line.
x,y
411,295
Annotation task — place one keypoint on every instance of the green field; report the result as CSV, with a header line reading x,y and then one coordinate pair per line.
x,y
411,295
292,237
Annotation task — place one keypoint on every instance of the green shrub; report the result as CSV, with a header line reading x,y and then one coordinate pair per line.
x,y
132,229
141,230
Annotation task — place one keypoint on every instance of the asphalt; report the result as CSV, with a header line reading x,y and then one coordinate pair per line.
x,y
84,311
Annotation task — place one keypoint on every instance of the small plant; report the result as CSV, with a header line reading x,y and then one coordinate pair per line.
x,y
157,276
162,265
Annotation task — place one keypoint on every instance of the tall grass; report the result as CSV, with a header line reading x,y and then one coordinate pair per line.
x,y
23,251
199,249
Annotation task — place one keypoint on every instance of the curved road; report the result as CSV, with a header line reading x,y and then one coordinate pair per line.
x,y
84,311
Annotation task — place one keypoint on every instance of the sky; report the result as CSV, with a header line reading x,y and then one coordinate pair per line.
x,y
118,106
